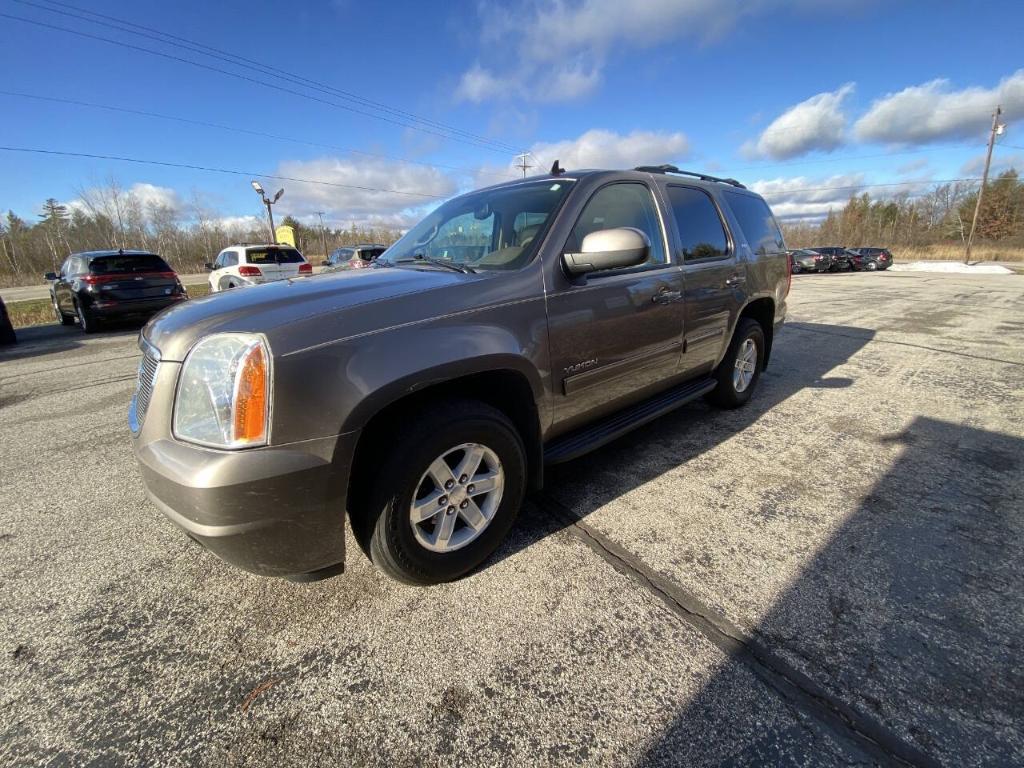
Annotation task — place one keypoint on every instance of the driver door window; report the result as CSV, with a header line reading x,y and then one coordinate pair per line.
x,y
621,205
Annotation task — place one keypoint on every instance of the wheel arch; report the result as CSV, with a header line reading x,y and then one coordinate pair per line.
x,y
762,311
505,388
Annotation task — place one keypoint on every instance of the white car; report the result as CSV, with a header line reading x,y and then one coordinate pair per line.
x,y
240,265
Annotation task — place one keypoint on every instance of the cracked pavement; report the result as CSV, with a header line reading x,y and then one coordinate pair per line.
x,y
831,575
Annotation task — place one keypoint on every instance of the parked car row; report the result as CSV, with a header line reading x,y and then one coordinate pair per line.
x,y
97,285
838,259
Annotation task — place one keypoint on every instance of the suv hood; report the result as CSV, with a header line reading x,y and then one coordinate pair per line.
x,y
294,314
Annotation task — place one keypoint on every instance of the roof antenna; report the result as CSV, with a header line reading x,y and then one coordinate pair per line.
x,y
120,251
556,169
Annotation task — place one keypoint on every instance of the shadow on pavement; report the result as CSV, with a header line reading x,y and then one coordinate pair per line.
x,y
912,612
52,338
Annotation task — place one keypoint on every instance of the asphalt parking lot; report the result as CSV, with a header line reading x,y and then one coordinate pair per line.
x,y
830,575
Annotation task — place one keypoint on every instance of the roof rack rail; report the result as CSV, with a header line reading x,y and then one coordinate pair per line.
x,y
673,169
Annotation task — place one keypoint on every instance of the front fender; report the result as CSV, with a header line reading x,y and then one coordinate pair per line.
x,y
343,385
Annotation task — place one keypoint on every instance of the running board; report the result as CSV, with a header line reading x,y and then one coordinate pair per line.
x,y
595,435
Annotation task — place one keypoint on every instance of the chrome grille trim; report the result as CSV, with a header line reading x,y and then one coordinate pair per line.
x,y
148,368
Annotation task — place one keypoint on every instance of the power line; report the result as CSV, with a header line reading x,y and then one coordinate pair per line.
x,y
235,129
232,58
201,65
209,169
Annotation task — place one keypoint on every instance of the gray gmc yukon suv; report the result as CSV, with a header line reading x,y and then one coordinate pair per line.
x,y
514,327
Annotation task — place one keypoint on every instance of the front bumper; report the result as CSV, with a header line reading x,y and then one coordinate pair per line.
x,y
278,510
275,511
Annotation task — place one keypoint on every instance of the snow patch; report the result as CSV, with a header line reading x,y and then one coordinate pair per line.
x,y
957,267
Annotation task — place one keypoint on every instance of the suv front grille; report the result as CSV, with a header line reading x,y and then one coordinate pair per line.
x,y
143,387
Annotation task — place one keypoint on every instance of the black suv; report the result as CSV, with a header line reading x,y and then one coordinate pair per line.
x,y
842,258
105,284
870,259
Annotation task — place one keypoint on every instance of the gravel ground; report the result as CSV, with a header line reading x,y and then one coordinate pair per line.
x,y
831,575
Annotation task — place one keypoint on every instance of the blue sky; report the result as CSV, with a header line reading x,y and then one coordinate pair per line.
x,y
790,97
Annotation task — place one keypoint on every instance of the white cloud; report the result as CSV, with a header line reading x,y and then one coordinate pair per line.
x,y
599,149
1001,161
934,112
548,33
369,190
478,84
152,196
803,197
815,124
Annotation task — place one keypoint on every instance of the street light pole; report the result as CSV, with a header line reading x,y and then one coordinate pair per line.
x,y
323,233
268,202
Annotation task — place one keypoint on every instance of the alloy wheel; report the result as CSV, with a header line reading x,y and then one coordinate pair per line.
x,y
457,497
746,364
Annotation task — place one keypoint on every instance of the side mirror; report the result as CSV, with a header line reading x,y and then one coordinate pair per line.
x,y
209,267
50,276
608,249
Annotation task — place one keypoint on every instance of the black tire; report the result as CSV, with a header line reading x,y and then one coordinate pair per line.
x,y
725,394
797,269
383,527
871,266
86,319
61,317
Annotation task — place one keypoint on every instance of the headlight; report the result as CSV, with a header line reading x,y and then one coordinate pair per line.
x,y
223,392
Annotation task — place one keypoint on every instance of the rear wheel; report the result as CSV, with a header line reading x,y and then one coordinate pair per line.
x,y
740,369
86,319
445,495
797,269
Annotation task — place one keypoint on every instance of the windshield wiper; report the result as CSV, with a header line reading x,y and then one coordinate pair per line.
x,y
463,268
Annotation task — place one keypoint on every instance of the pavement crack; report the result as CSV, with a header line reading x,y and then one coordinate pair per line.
x,y
794,686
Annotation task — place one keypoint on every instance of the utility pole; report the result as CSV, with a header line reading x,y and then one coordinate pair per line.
x,y
996,130
323,235
522,164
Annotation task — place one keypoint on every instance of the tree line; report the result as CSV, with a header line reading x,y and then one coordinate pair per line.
x,y
943,215
110,216
191,234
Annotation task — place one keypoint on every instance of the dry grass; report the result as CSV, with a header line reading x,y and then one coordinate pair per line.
x,y
947,252
33,312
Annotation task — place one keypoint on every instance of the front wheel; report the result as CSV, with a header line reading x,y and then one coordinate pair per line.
x,y
446,494
61,317
740,369
871,266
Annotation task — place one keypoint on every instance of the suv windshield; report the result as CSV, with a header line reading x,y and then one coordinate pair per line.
x,y
145,262
274,256
492,229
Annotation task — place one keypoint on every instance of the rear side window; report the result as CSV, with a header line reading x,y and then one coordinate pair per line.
x,y
108,265
758,224
700,227
369,254
274,256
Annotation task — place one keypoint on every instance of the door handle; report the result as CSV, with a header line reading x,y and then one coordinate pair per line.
x,y
735,279
665,296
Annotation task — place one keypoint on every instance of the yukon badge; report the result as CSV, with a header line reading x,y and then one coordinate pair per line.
x,y
581,366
